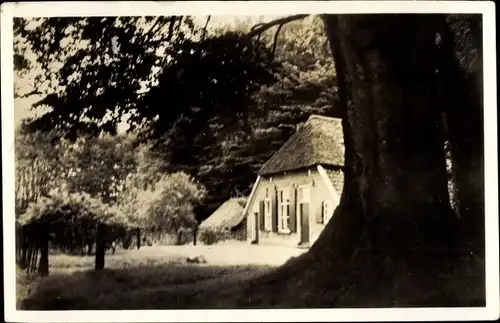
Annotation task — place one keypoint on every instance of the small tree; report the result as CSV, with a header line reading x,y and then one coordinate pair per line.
x,y
164,201
69,218
38,167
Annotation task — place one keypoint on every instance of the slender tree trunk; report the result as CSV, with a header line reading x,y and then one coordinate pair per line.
x,y
138,237
70,240
90,245
24,249
24,254
43,267
100,246
179,238
35,257
29,256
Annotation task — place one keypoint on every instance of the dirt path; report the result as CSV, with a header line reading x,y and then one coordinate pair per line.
x,y
228,254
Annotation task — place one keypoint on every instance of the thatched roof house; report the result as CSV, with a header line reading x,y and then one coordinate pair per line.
x,y
228,216
319,141
299,187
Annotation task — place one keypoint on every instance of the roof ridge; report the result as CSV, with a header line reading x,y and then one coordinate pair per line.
x,y
317,141
317,116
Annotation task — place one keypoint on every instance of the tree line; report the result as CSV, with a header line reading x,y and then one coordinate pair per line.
x,y
95,192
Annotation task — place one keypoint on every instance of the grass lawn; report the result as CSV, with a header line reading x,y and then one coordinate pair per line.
x,y
159,278
150,278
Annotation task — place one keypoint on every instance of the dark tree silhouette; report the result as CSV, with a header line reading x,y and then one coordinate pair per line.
x,y
461,98
202,91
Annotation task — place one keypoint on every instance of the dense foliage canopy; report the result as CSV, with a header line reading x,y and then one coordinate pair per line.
x,y
217,103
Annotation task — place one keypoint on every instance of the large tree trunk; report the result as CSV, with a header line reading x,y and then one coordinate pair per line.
x,y
461,99
343,235
395,196
396,133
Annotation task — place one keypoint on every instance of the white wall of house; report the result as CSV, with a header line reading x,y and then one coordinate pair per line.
x,y
310,181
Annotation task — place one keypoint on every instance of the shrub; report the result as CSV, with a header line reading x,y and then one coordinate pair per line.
x,y
164,201
72,219
211,236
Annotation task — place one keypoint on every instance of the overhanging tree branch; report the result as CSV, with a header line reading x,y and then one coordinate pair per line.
x,y
205,28
172,26
275,43
151,31
173,23
262,27
34,92
256,30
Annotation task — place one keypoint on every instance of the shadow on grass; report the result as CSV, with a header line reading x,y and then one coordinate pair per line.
x,y
154,282
172,286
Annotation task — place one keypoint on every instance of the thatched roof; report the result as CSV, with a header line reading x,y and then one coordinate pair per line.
x,y
319,141
227,216
337,179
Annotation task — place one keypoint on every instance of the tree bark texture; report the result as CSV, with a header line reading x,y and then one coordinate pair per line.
x,y
399,172
394,216
462,101
344,230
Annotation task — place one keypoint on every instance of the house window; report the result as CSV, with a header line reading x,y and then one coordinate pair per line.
x,y
303,197
267,214
327,211
283,208
303,194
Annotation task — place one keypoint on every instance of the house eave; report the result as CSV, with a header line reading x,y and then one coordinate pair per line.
x,y
252,195
329,185
297,169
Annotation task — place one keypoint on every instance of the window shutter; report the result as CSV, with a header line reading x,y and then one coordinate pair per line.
x,y
292,209
320,216
330,210
274,210
305,210
262,216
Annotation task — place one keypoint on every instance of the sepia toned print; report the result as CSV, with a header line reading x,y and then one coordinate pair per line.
x,y
272,161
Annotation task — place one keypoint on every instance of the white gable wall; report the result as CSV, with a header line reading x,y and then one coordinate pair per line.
x,y
319,192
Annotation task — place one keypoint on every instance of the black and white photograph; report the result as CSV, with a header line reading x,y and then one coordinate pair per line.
x,y
265,157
